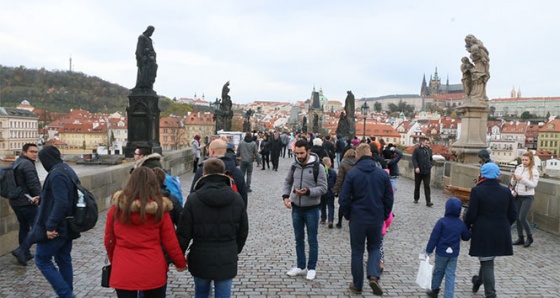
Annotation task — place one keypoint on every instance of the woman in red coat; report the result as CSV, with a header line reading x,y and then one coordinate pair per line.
x,y
138,225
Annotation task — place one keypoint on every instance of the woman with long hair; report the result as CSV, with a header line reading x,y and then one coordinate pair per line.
x,y
138,225
348,163
524,181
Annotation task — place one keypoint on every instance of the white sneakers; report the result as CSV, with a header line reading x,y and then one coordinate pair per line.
x,y
297,271
310,274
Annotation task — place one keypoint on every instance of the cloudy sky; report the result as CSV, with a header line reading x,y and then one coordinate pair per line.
x,y
278,50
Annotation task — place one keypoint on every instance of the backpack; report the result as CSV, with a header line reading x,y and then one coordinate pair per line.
x,y
233,185
8,185
316,168
173,184
85,213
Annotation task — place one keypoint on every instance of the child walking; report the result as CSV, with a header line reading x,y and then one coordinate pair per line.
x,y
446,239
327,200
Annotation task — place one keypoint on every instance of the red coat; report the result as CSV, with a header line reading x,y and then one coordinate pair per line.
x,y
135,250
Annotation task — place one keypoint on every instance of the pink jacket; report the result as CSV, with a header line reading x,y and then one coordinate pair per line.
x,y
386,224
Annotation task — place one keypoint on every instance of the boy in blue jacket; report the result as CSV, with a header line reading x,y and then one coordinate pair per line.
x,y
446,239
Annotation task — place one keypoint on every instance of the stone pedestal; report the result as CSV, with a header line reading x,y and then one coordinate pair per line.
x,y
472,138
143,121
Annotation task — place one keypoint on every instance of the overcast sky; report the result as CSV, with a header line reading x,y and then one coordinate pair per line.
x,y
278,50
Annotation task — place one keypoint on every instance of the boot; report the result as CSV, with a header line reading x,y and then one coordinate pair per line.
x,y
477,282
520,240
529,241
433,293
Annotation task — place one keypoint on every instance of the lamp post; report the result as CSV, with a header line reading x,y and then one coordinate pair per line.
x,y
364,109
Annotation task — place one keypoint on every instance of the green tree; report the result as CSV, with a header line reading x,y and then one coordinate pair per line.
x,y
177,109
526,115
377,106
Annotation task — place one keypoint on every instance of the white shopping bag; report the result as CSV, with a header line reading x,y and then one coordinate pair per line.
x,y
424,276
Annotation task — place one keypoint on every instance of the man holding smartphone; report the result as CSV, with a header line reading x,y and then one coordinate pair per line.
x,y
305,184
25,206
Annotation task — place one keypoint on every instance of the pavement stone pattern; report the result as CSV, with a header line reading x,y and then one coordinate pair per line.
x,y
270,252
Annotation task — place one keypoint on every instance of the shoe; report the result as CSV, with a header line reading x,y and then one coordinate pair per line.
x,y
339,225
29,256
263,169
433,293
322,222
354,290
429,204
311,274
249,190
296,271
520,241
381,267
477,282
330,225
20,256
374,284
529,241
415,201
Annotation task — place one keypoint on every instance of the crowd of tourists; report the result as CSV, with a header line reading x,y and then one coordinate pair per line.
x,y
148,224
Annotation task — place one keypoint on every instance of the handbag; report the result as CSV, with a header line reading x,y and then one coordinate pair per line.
x,y
105,275
424,275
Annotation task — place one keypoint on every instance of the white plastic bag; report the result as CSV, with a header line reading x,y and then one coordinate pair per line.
x,y
424,276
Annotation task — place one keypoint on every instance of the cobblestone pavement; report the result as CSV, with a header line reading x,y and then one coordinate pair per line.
x,y
270,252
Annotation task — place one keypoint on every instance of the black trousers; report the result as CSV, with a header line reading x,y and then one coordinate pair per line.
x,y
275,159
265,159
419,178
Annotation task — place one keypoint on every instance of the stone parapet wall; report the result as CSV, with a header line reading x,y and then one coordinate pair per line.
x,y
102,182
545,212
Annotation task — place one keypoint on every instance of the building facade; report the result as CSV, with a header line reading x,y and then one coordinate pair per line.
x,y
17,127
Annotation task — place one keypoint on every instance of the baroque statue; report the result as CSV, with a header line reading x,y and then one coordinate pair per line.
x,y
146,60
227,113
475,74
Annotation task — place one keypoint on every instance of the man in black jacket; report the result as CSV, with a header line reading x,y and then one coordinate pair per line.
x,y
422,162
275,149
215,219
331,150
25,206
218,148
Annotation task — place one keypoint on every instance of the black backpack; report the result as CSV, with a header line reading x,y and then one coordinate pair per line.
x,y
8,185
85,212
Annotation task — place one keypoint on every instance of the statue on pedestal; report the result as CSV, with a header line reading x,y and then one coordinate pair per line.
x,y
227,114
477,73
304,125
146,60
346,122
247,122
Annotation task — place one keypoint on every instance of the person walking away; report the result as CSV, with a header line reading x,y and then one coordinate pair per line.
x,y
524,181
248,153
318,149
196,148
214,223
446,240
339,148
330,148
393,156
422,162
275,149
327,200
377,158
51,231
291,145
25,206
285,139
366,200
386,225
348,163
489,218
302,194
138,226
264,149
218,148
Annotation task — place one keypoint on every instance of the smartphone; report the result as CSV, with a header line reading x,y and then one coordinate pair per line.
x,y
30,198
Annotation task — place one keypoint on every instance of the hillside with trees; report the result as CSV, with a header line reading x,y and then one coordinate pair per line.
x,y
60,90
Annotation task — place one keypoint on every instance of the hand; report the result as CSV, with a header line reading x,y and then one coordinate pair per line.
x,y
52,234
417,170
301,192
288,203
518,177
36,200
181,269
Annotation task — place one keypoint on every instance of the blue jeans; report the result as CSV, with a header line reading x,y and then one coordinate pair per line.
x,y
309,218
222,288
445,266
359,233
61,279
394,184
26,217
247,167
338,158
327,204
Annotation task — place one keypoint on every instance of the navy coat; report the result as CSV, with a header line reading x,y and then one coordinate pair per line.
x,y
489,218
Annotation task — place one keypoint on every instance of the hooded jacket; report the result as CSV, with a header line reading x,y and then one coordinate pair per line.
x,y
235,173
367,195
215,219
302,177
26,178
57,198
151,161
247,150
448,231
135,249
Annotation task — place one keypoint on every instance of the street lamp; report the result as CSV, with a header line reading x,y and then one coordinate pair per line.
x,y
364,108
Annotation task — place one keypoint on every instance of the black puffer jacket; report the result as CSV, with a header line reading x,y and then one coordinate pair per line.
x,y
27,179
215,219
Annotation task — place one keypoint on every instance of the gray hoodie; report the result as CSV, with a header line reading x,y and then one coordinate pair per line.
x,y
302,177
